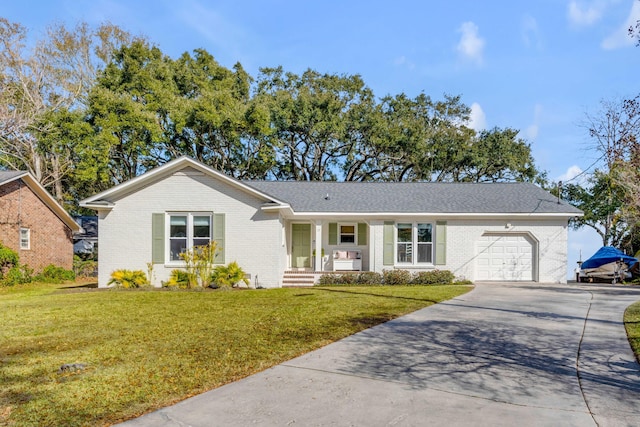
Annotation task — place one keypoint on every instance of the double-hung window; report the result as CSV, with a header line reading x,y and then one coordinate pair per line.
x,y
187,230
25,239
414,243
405,243
347,234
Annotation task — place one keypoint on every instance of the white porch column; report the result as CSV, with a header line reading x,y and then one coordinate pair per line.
x,y
318,246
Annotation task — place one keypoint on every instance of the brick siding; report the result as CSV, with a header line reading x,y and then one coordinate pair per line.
x,y
51,239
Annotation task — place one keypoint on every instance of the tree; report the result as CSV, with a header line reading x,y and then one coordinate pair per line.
x,y
124,109
148,109
610,197
419,139
309,117
54,75
408,139
217,122
495,155
601,202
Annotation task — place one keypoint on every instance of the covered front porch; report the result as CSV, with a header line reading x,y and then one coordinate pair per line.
x,y
327,245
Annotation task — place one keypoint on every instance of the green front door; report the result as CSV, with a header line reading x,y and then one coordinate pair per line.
x,y
300,245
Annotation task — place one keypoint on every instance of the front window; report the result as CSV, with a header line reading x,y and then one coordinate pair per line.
x,y
405,243
347,234
414,243
425,243
187,231
25,238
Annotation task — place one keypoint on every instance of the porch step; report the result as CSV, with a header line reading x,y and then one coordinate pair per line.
x,y
298,278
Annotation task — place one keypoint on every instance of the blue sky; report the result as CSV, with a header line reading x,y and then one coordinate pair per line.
x,y
537,66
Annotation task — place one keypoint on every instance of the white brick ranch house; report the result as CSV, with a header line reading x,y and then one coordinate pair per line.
x,y
284,233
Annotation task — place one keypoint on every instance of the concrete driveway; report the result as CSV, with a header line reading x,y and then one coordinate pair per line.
x,y
501,355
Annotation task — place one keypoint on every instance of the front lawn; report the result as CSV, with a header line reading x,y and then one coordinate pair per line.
x,y
146,349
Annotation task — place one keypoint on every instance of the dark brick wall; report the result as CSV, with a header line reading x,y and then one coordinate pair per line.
x,y
51,239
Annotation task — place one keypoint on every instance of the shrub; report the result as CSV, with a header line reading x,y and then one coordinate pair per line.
x,y
8,259
53,274
433,277
17,275
329,279
226,276
128,278
84,267
199,264
177,279
369,278
11,272
396,277
347,279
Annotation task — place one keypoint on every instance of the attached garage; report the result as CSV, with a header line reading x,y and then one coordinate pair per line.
x,y
508,256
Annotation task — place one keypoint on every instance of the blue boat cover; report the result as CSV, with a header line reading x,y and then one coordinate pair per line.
x,y
607,254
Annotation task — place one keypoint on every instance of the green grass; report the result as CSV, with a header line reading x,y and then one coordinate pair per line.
x,y
632,325
146,349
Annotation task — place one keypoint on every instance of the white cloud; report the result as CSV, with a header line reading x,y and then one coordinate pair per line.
x,y
620,37
581,14
530,32
570,174
471,45
531,133
211,25
402,61
477,118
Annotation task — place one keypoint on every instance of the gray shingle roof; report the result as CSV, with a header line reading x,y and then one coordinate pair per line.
x,y
414,197
9,175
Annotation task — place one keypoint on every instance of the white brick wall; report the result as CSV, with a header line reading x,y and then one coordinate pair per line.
x,y
252,236
258,242
462,237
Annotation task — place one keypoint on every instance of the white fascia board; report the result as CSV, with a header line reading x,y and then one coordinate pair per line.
x,y
98,205
432,214
273,208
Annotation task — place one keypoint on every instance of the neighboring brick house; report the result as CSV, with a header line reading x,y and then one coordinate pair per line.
x,y
33,224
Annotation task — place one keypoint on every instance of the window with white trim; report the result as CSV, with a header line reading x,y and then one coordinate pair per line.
x,y
347,234
414,243
187,230
25,238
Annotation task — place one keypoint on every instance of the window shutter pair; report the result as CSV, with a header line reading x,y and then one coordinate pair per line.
x,y
362,233
158,239
441,243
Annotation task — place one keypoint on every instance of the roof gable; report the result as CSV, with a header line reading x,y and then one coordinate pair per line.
x,y
10,176
182,165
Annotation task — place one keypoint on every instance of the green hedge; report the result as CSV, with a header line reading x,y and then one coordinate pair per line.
x,y
390,277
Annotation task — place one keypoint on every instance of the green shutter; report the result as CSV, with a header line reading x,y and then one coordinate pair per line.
x,y
157,238
441,242
333,233
387,243
362,233
218,237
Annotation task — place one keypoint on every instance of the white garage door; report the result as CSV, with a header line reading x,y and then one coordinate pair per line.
x,y
504,257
